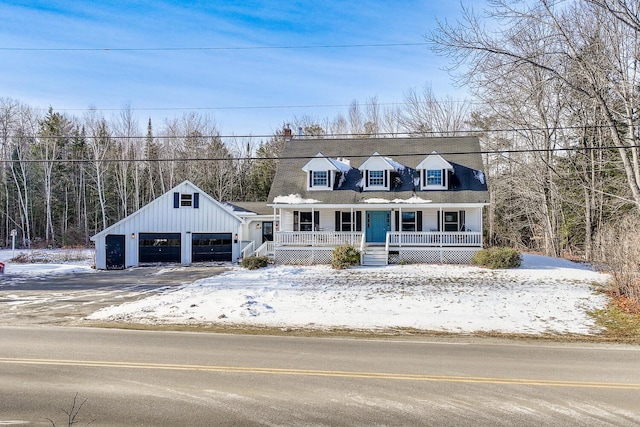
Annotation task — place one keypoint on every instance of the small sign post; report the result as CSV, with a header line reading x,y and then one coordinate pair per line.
x,y
14,233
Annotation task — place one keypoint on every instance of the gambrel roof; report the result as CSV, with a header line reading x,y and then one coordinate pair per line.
x,y
466,184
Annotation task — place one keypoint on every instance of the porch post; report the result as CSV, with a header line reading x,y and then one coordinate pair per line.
x,y
481,223
313,229
353,227
441,232
275,230
399,226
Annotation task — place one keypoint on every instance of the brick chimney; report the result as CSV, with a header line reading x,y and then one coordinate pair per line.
x,y
287,133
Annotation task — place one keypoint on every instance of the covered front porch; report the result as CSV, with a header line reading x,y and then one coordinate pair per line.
x,y
383,235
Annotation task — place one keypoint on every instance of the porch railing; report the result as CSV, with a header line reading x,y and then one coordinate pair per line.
x,y
394,238
266,249
248,249
317,238
434,238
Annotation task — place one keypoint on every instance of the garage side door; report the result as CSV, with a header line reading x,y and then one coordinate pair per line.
x,y
159,247
211,247
115,250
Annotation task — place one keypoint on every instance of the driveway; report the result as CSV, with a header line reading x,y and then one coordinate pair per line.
x,y
65,299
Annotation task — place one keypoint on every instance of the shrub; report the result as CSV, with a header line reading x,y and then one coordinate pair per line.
x,y
254,262
497,258
344,256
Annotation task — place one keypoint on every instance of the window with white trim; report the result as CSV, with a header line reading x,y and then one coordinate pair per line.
x,y
434,177
376,178
186,200
408,221
320,179
451,221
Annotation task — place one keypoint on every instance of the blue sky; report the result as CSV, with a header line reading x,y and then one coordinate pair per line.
x,y
221,80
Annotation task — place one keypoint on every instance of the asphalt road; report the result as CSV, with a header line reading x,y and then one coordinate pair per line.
x,y
151,378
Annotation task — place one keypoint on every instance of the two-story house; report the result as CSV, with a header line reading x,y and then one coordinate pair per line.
x,y
396,200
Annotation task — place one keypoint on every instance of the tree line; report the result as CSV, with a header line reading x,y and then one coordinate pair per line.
x,y
65,178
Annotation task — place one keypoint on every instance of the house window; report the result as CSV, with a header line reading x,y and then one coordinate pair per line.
x,y
346,221
451,221
434,177
320,179
408,221
186,200
376,178
306,221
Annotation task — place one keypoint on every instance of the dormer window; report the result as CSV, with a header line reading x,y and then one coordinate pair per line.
x,y
324,173
376,178
320,179
434,172
434,177
378,173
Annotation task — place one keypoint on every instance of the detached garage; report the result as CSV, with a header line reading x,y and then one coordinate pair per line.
x,y
184,225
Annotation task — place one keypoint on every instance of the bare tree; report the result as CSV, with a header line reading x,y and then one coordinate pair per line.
x,y
99,143
127,147
21,141
571,32
426,115
8,111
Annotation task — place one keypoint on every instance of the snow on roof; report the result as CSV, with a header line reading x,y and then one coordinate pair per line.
x,y
397,166
293,199
375,200
340,165
411,200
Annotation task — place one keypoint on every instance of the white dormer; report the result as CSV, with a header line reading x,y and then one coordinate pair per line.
x,y
434,172
322,172
376,172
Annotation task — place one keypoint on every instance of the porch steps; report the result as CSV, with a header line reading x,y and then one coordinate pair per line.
x,y
374,256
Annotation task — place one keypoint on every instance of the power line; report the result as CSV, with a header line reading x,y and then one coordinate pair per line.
x,y
206,48
351,156
259,107
311,137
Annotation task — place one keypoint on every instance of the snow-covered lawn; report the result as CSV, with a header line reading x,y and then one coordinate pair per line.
x,y
545,295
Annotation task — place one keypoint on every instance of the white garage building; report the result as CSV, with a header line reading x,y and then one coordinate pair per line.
x,y
184,225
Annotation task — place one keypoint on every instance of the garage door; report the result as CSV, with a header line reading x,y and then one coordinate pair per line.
x,y
212,247
159,247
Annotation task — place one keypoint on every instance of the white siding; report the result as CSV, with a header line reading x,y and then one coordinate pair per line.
x,y
430,220
318,164
473,219
327,220
160,216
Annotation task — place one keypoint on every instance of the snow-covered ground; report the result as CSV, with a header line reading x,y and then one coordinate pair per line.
x,y
43,262
544,295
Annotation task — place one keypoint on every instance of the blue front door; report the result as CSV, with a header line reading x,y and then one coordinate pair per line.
x,y
378,223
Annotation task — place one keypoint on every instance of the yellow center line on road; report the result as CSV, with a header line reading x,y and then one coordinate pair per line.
x,y
322,373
